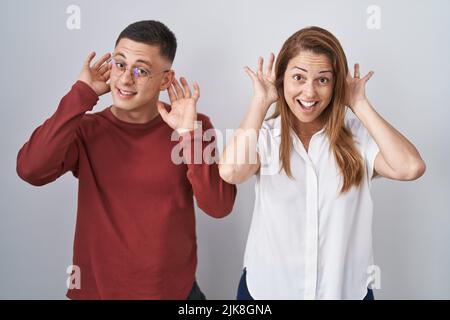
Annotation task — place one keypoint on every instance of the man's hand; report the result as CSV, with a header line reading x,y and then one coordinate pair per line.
x,y
96,76
183,112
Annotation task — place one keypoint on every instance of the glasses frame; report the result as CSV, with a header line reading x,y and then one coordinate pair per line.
x,y
133,72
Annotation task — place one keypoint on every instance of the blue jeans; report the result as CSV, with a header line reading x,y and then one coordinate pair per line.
x,y
243,293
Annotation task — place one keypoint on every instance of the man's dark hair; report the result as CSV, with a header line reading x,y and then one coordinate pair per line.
x,y
153,33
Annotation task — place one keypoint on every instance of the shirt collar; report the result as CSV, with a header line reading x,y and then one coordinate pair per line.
x,y
276,131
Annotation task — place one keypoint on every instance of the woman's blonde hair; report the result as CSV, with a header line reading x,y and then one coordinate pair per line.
x,y
348,159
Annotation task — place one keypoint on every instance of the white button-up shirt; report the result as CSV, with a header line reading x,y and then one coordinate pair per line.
x,y
307,241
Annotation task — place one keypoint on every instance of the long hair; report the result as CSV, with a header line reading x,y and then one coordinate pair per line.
x,y
348,159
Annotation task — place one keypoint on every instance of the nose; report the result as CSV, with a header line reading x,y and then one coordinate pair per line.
x,y
126,79
309,91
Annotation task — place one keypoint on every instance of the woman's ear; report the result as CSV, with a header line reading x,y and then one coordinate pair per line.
x,y
167,80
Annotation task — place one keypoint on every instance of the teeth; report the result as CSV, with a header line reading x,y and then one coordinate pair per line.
x,y
126,93
308,104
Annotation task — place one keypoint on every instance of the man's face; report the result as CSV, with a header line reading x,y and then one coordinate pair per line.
x,y
138,74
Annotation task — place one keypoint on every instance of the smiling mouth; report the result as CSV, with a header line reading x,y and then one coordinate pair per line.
x,y
125,93
307,105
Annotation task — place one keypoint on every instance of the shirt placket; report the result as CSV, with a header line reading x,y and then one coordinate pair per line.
x,y
312,232
312,225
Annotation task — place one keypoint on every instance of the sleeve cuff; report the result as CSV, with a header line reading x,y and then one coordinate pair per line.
x,y
86,91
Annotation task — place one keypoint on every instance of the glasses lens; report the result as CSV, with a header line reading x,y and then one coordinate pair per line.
x,y
140,75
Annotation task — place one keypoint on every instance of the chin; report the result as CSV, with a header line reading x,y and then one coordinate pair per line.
x,y
306,119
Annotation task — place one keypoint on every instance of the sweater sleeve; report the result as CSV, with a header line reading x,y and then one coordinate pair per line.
x,y
52,149
214,196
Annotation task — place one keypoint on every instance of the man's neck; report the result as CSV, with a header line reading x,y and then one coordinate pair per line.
x,y
139,115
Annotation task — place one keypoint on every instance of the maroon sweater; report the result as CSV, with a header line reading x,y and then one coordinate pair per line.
x,y
135,231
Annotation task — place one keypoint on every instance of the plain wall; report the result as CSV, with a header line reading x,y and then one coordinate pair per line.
x,y
41,59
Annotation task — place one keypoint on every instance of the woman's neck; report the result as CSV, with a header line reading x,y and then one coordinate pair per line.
x,y
308,129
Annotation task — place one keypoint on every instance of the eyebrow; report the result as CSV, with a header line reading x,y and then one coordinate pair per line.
x,y
137,61
323,71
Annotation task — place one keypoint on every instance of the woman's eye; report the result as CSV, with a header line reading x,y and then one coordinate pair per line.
x,y
323,80
120,65
297,77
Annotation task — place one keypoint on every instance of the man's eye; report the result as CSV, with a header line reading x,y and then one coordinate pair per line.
x,y
141,72
120,65
297,77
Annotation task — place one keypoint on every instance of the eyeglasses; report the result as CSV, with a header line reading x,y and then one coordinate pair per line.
x,y
140,75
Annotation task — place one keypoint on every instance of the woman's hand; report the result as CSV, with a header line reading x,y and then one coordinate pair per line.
x,y
97,75
264,82
357,87
183,113
398,158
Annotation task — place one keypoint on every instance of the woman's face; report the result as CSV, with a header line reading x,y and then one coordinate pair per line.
x,y
308,85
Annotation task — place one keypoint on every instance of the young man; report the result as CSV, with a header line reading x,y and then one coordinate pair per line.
x,y
135,232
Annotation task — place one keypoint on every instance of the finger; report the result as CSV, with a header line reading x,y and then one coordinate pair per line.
x,y
104,68
162,110
368,76
172,95
270,64
196,91
87,61
187,90
109,63
357,71
349,76
178,89
101,61
260,66
106,75
251,74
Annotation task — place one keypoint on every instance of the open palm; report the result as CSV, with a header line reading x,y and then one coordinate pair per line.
x,y
183,112
264,81
97,75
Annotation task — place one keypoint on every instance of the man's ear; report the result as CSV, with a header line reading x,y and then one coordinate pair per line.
x,y
167,80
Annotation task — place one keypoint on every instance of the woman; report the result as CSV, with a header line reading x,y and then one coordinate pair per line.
x,y
310,237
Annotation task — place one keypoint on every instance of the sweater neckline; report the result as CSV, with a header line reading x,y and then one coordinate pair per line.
x,y
130,125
